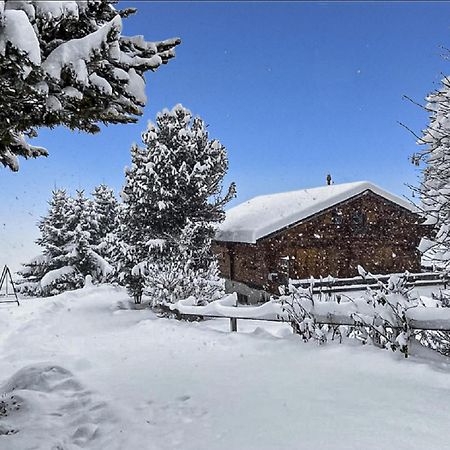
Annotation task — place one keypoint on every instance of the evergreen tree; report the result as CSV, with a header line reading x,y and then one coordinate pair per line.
x,y
69,251
67,63
53,239
434,189
106,208
135,229
434,192
172,202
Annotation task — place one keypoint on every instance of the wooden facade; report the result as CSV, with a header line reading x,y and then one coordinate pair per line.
x,y
367,230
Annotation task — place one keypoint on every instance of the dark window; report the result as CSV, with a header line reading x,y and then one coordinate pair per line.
x,y
242,299
337,217
359,220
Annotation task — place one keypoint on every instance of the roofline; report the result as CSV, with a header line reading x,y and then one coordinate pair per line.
x,y
311,216
323,211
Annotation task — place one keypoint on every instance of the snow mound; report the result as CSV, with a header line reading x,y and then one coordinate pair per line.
x,y
44,378
45,403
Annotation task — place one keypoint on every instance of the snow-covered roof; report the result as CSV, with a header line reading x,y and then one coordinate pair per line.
x,y
265,214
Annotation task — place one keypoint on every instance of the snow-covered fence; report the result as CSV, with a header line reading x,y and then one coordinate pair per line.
x,y
324,313
227,307
331,285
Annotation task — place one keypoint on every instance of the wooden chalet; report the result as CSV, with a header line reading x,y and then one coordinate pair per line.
x,y
317,232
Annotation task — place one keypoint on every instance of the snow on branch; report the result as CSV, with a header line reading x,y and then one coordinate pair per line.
x,y
67,63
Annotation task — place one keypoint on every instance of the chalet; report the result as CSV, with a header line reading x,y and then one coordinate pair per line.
x,y
317,232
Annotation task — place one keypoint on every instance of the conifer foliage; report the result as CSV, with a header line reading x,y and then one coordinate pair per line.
x,y
67,63
434,189
73,244
172,201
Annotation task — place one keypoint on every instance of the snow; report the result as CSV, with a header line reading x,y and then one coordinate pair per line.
x,y
78,51
342,313
70,91
136,86
227,307
19,32
102,265
56,9
86,371
102,85
266,214
54,275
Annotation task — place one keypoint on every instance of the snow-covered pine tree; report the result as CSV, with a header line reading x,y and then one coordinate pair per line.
x,y
434,193
67,63
53,238
172,202
106,222
69,253
434,189
135,223
105,208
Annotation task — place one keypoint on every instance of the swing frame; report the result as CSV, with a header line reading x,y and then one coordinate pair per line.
x,y
5,276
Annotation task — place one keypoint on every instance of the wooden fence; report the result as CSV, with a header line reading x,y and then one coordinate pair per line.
x,y
331,313
330,285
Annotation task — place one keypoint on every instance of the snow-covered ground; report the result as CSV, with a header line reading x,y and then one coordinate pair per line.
x,y
82,370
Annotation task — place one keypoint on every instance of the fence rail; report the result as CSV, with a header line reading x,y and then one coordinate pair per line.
x,y
324,312
330,285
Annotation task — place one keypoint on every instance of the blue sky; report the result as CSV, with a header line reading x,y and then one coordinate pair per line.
x,y
293,90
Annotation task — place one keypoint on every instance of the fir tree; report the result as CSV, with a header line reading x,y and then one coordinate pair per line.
x,y
434,189
172,202
105,209
135,224
67,63
53,239
69,250
434,192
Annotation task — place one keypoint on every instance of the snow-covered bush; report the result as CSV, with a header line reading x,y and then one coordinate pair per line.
x,y
388,325
175,275
171,204
298,305
67,63
379,317
436,339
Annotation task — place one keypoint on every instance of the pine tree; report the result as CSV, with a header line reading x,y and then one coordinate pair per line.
x,y
434,192
135,224
106,207
105,222
53,239
434,189
69,250
172,202
67,63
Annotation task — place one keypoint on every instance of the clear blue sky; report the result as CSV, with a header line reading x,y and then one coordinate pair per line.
x,y
294,91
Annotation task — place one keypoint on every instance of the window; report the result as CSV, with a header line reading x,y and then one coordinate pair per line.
x,y
337,217
242,299
359,220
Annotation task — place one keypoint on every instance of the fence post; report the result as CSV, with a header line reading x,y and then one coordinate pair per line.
x,y
233,324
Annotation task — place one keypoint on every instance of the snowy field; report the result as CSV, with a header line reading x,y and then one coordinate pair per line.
x,y
82,370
